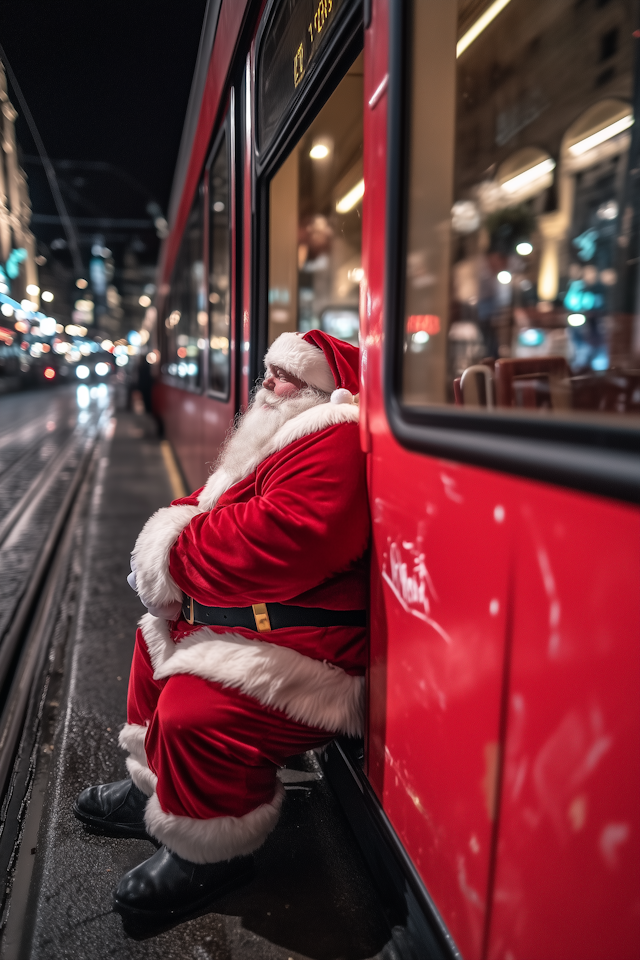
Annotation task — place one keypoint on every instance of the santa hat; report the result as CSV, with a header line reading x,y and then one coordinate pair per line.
x,y
320,360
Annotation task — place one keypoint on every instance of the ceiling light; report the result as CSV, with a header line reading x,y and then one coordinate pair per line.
x,y
350,199
481,24
319,151
601,135
528,176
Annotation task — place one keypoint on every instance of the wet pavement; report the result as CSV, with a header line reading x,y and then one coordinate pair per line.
x,y
311,896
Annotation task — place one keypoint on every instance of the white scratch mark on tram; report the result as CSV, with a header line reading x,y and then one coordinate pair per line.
x,y
412,589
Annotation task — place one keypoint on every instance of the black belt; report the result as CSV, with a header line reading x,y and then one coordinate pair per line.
x,y
264,617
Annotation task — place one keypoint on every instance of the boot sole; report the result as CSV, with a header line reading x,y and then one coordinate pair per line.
x,y
142,924
124,831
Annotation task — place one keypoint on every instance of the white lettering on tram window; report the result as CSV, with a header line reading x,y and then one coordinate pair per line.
x,y
411,583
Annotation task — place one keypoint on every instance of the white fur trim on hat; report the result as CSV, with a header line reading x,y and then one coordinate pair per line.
x,y
309,691
302,359
219,838
151,554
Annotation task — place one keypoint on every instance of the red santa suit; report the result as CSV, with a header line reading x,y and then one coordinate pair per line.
x,y
213,712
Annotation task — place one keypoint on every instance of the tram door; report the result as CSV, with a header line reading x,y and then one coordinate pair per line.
x,y
198,400
499,327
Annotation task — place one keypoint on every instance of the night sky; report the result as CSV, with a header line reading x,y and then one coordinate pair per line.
x,y
106,82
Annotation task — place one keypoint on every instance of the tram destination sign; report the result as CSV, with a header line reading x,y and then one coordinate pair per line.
x,y
297,32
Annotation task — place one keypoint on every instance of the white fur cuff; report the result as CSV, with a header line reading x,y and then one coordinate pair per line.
x,y
151,554
220,838
143,778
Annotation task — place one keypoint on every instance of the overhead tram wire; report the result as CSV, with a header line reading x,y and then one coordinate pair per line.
x,y
65,219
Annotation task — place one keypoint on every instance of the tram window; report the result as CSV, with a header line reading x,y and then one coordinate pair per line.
x,y
522,263
219,272
185,316
315,225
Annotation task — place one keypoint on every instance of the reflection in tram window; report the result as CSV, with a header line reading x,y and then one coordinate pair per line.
x,y
185,315
219,272
527,258
315,224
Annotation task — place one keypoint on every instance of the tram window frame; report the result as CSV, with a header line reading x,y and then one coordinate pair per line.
x,y
225,132
595,456
176,292
330,67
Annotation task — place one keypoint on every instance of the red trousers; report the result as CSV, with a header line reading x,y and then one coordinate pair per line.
x,y
214,750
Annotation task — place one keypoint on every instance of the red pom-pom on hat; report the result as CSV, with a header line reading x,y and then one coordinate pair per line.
x,y
344,362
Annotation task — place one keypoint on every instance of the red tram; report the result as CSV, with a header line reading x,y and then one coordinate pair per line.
x,y
453,185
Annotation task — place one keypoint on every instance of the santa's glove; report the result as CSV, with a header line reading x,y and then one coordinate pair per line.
x,y
166,611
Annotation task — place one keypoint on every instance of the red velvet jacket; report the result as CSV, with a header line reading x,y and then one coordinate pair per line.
x,y
294,531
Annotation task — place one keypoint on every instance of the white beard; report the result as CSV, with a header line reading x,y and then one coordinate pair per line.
x,y
255,428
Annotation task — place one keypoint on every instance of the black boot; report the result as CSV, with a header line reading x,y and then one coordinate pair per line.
x,y
114,809
166,890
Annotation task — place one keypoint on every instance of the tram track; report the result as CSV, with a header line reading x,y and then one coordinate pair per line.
x,y
37,536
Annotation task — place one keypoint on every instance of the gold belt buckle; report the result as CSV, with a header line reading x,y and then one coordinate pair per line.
x,y
191,617
261,616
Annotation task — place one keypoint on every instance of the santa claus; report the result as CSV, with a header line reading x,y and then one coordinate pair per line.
x,y
253,647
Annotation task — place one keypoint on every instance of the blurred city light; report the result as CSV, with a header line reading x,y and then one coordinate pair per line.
x,y
85,349
49,373
47,326
152,357
144,300
576,319
122,360
524,249
504,277
82,371
81,283
134,338
7,310
107,345
28,306
82,396
33,289
102,369
47,296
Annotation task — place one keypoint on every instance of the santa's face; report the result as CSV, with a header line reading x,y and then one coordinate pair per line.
x,y
281,383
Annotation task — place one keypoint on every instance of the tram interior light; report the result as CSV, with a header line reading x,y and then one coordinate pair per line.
x,y
33,289
82,371
529,176
47,296
504,277
350,199
480,24
577,149
319,151
524,248
576,319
